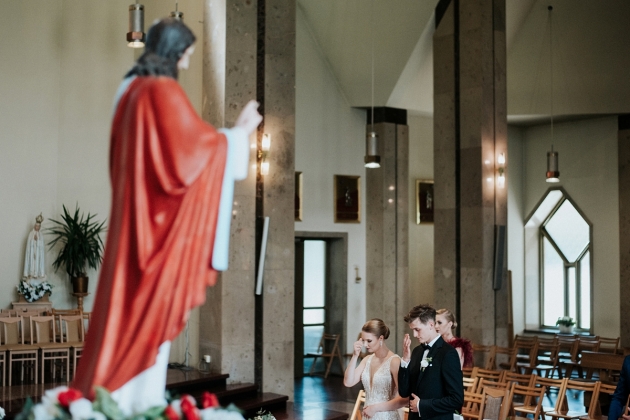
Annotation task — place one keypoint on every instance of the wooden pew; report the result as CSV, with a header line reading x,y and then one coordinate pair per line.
x,y
606,363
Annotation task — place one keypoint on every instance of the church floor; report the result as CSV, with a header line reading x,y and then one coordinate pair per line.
x,y
328,393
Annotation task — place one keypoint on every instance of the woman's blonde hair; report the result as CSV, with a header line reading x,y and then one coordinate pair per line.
x,y
377,327
449,316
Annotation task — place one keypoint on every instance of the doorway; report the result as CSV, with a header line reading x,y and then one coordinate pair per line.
x,y
321,268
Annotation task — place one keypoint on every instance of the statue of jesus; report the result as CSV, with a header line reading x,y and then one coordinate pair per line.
x,y
172,177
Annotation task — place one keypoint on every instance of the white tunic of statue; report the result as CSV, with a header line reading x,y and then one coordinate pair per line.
x,y
381,389
34,256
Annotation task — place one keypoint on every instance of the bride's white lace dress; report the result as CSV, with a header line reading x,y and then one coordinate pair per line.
x,y
382,387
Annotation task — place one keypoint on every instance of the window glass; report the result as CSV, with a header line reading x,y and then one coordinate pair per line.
x,y
312,336
569,231
571,280
553,284
314,316
314,274
585,291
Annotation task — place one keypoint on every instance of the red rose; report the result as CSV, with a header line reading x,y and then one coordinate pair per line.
x,y
189,409
170,413
67,397
209,400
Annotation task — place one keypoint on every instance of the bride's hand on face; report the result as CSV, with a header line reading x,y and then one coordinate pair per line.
x,y
358,346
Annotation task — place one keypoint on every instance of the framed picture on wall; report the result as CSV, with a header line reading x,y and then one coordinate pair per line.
x,y
298,196
424,201
347,199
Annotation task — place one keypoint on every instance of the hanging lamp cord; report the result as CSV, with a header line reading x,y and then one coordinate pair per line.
x,y
372,28
550,8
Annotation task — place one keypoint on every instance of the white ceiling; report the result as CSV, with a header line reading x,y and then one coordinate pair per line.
x,y
591,53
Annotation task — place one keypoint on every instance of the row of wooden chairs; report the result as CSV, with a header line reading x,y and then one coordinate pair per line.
x,y
556,356
523,399
34,340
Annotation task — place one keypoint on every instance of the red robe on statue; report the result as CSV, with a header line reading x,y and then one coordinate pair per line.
x,y
167,166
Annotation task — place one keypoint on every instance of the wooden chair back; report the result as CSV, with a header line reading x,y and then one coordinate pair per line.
x,y
71,328
591,388
12,329
358,407
503,357
473,405
328,348
588,344
526,393
609,345
489,404
526,350
43,329
568,347
514,377
487,374
482,356
470,384
550,383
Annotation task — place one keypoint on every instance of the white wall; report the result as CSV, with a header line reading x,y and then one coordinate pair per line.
x,y
515,217
588,172
63,62
421,288
329,140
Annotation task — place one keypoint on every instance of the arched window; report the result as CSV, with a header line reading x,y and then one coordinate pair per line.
x,y
563,246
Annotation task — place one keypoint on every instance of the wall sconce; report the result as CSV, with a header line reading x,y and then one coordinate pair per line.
x,y
357,279
501,170
263,154
136,35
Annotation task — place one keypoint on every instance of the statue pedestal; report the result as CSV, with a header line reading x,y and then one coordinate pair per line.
x,y
40,305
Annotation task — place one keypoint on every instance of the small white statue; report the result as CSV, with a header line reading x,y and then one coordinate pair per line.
x,y
35,250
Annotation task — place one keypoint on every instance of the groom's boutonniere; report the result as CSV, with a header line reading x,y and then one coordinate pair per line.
x,y
426,362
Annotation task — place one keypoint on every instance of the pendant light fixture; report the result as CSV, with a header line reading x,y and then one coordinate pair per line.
x,y
372,158
553,172
177,14
136,35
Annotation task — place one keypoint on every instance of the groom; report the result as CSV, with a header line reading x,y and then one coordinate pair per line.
x,y
431,376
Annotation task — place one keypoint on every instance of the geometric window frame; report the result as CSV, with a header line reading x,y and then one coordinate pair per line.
x,y
576,284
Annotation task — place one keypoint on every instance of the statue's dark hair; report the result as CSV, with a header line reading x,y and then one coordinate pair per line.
x,y
167,40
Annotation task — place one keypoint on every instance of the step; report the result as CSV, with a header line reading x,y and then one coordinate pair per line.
x,y
268,401
176,378
226,393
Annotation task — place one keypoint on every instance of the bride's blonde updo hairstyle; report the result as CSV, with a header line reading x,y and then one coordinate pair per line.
x,y
449,317
377,327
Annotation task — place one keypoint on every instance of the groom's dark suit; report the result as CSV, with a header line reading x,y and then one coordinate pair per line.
x,y
439,387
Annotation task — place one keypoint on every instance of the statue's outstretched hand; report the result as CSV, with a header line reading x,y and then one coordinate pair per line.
x,y
249,117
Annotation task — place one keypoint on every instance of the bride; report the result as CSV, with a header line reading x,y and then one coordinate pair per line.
x,y
378,372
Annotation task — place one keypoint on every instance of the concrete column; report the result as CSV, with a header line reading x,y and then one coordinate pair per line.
x,y
278,101
470,132
387,264
227,319
624,227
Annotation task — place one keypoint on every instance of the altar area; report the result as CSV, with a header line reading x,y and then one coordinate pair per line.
x,y
245,396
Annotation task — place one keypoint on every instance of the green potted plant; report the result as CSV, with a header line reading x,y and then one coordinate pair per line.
x,y
81,246
565,324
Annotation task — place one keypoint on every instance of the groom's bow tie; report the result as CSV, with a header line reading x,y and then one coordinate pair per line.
x,y
425,346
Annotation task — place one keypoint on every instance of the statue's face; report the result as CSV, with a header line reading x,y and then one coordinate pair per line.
x,y
37,226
